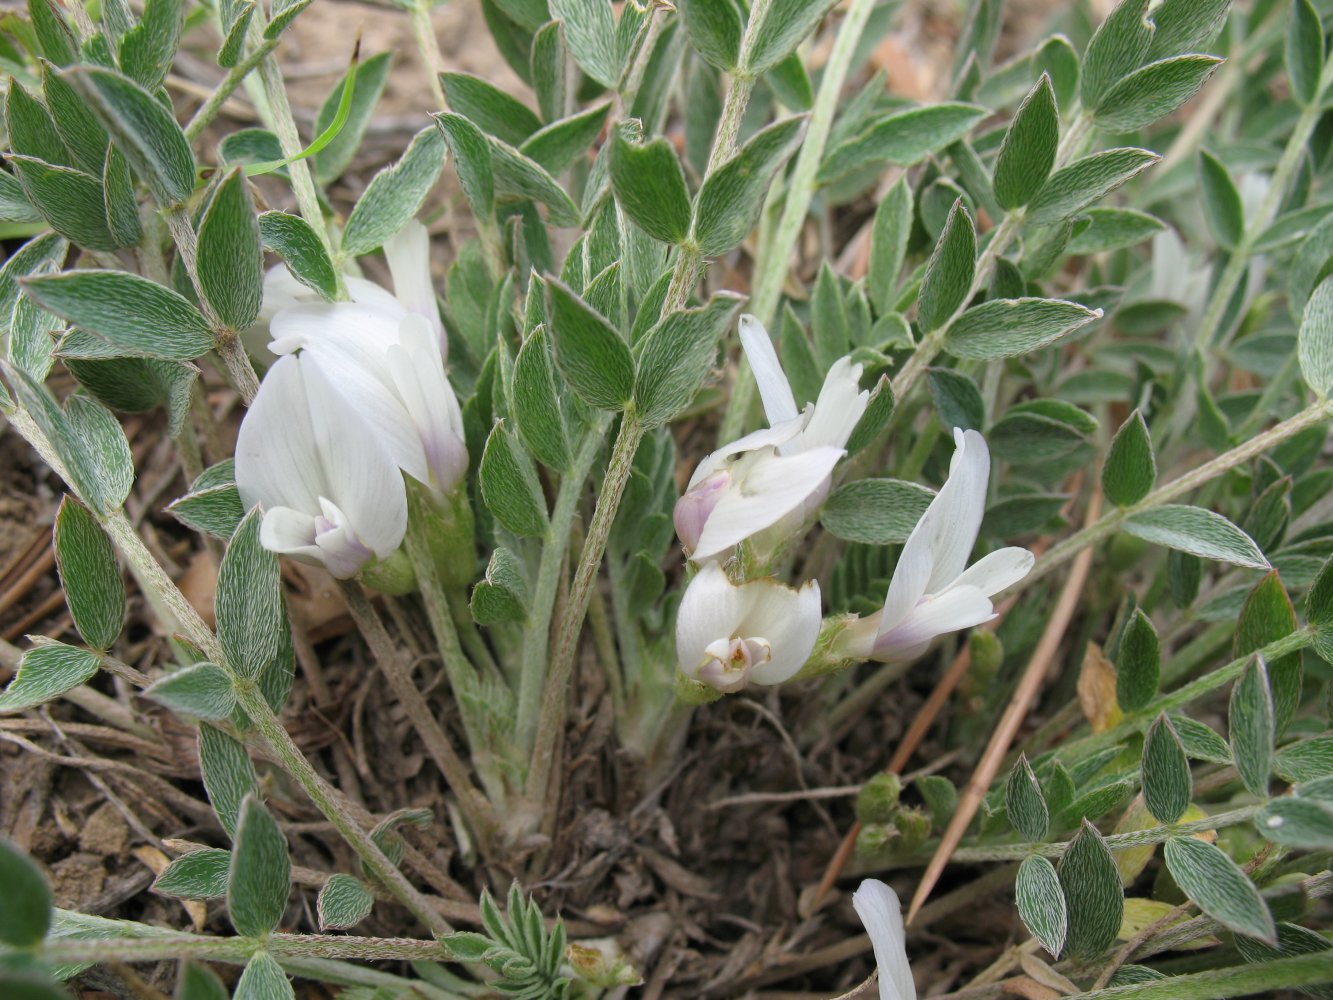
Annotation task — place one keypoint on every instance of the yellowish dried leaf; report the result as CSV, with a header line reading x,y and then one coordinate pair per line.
x,y
1140,914
1029,988
1096,690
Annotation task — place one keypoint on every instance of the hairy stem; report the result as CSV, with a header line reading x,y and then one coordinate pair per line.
x,y
463,680
239,949
399,676
1110,522
429,47
773,263
1215,984
326,800
1117,841
209,109
225,339
303,181
1137,722
535,656
550,723
689,261
1208,331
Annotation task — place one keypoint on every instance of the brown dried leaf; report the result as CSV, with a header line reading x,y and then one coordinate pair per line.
x,y
1096,690
1046,976
199,584
157,863
1024,986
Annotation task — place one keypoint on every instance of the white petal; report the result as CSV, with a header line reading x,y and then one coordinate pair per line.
x,y
878,907
367,293
276,461
952,520
408,254
364,482
789,620
994,572
417,370
774,389
839,408
761,493
349,343
910,576
954,609
711,609
768,437
289,531
283,291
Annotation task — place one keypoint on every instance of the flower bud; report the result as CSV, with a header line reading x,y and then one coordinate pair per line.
x,y
602,962
913,826
877,801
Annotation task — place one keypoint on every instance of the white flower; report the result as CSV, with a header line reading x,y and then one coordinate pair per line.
x,y
330,491
779,473
408,256
386,361
933,590
729,635
877,906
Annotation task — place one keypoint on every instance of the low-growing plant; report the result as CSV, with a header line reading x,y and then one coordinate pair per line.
x,y
746,373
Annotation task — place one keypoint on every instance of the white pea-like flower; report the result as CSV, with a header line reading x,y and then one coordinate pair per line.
x,y
878,907
728,635
779,474
330,491
933,590
383,353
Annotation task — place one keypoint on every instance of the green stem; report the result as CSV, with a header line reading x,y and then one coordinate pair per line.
x,y
773,263
537,637
239,949
689,261
1110,522
550,722
1239,980
209,109
932,342
303,182
463,679
1209,682
688,270
166,599
429,47
1208,330
159,588
327,970
325,798
1116,842
399,676
226,341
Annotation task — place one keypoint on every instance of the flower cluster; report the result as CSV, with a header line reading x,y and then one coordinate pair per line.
x,y
357,397
763,490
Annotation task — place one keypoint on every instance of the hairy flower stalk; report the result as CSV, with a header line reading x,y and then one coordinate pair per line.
x,y
933,590
773,478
